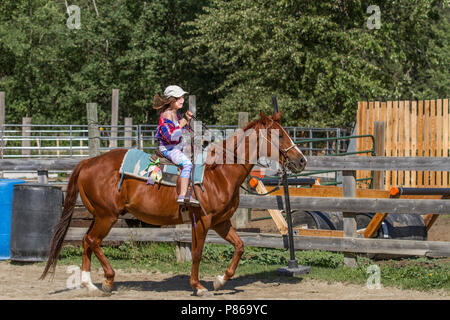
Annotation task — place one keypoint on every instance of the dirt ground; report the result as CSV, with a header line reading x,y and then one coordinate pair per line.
x,y
21,282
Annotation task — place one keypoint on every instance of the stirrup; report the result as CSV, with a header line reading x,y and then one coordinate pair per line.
x,y
180,200
193,201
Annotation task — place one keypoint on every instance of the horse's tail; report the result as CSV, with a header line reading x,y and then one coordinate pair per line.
x,y
63,225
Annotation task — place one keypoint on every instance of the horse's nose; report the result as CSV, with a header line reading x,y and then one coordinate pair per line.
x,y
303,162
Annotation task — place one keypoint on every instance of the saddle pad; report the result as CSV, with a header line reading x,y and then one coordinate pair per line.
x,y
137,163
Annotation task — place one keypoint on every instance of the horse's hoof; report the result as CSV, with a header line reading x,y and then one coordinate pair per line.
x,y
218,282
107,288
91,288
203,293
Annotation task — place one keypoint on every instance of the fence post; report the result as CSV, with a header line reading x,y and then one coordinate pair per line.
x,y
128,132
26,142
2,122
349,218
94,133
42,176
114,118
241,215
378,176
2,109
183,249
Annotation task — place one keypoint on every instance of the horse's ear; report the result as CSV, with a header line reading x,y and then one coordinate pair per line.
x,y
277,117
263,116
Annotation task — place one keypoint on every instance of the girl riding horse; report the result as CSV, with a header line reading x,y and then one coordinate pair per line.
x,y
169,134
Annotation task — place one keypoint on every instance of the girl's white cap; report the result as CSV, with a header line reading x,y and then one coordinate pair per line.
x,y
174,91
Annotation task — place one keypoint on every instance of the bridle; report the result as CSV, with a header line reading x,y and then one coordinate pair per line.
x,y
283,152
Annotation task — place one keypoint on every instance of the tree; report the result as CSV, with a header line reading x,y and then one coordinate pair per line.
x,y
319,57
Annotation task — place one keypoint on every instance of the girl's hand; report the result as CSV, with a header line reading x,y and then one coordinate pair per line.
x,y
188,115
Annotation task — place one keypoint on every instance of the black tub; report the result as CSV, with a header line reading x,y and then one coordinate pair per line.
x,y
36,209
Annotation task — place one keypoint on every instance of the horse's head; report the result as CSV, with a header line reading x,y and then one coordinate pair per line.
x,y
290,155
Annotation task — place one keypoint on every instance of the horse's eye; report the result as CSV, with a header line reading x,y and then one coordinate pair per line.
x,y
280,136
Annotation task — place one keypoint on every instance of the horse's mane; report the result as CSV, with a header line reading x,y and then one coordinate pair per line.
x,y
251,125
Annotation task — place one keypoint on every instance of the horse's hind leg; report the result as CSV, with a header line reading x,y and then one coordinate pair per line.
x,y
91,243
86,264
227,232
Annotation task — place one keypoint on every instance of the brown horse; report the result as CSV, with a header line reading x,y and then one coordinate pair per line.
x,y
97,179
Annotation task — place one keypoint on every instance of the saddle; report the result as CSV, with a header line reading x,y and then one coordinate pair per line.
x,y
162,159
155,168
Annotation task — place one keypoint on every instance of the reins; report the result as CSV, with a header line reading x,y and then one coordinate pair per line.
x,y
283,152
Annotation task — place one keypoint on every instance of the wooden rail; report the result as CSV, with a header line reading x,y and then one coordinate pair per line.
x,y
403,206
353,245
349,204
314,163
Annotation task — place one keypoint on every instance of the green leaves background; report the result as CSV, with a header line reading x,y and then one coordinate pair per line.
x,y
318,57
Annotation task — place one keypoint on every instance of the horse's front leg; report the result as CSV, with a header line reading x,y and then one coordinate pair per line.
x,y
227,232
199,233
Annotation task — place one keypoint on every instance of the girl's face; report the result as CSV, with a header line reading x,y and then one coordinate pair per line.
x,y
179,103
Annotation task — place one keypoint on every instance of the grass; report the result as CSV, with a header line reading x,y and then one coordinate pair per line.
x,y
416,273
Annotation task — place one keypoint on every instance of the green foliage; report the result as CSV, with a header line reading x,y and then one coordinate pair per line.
x,y
318,57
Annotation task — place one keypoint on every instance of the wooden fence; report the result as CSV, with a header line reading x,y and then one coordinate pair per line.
x,y
413,129
349,205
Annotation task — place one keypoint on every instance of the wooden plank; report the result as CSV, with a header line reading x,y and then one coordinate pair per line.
x,y
349,218
402,206
342,244
331,191
374,224
426,142
401,134
430,219
407,144
114,117
432,144
378,176
439,139
446,137
359,132
388,147
420,137
318,232
314,163
413,140
377,163
276,215
394,139
364,131
93,130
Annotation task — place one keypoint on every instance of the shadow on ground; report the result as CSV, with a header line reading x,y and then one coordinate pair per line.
x,y
181,282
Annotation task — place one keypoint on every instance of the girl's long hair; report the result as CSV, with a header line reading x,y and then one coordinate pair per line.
x,y
161,104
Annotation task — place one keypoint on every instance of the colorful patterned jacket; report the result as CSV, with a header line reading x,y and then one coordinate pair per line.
x,y
168,133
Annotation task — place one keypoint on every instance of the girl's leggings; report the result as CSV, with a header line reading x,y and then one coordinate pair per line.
x,y
179,158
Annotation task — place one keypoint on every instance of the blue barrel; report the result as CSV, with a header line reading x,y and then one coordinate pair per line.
x,y
6,194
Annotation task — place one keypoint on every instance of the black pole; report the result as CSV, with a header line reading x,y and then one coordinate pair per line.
x,y
292,262
292,269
